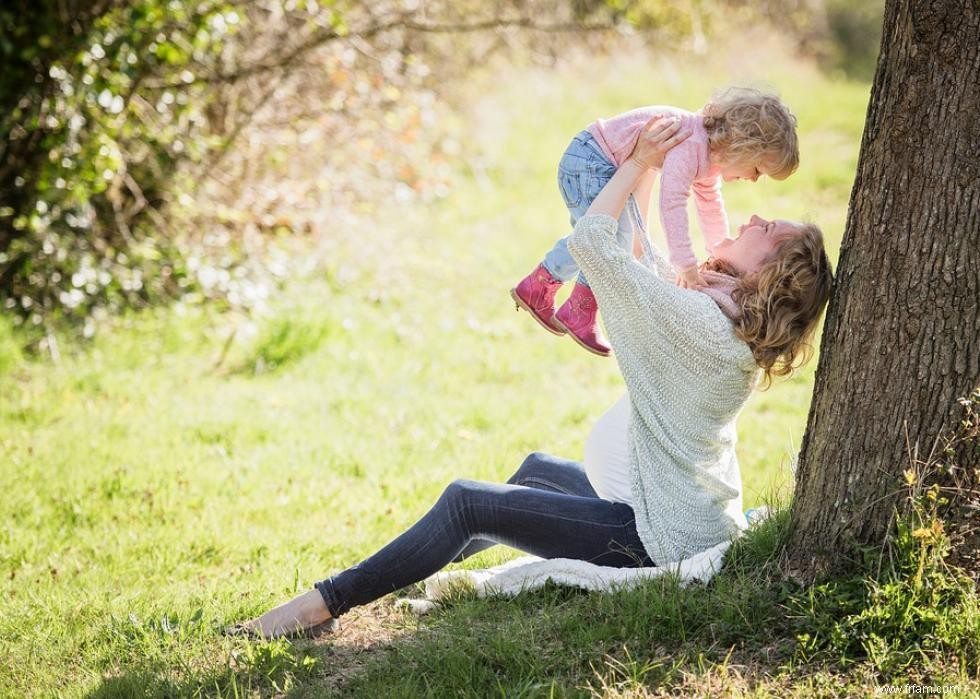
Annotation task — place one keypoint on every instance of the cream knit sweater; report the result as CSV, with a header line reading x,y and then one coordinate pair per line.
x,y
688,377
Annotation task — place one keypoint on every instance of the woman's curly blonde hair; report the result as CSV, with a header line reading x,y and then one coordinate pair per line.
x,y
746,125
781,302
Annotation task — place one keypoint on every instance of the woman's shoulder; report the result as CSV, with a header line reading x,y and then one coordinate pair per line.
x,y
718,334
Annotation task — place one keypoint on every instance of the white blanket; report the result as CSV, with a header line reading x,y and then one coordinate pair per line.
x,y
531,572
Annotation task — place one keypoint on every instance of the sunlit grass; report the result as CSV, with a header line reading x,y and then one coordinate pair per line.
x,y
189,469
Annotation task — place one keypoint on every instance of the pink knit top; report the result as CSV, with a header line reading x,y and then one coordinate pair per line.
x,y
686,168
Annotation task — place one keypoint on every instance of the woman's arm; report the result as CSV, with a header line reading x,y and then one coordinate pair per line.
x,y
642,195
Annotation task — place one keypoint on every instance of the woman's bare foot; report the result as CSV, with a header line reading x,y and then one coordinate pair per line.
x,y
299,613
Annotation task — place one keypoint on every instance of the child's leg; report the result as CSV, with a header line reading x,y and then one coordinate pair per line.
x,y
579,315
582,173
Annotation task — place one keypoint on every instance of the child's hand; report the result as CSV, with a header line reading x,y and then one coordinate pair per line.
x,y
691,278
658,136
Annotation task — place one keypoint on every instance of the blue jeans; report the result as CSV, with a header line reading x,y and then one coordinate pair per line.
x,y
582,173
548,509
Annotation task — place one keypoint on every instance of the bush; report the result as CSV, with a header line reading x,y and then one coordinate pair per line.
x,y
94,135
119,182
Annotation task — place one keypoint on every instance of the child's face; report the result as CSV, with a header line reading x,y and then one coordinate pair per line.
x,y
755,244
741,171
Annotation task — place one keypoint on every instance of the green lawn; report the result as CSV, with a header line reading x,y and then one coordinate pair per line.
x,y
151,495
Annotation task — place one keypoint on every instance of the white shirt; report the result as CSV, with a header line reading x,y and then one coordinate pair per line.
x,y
607,462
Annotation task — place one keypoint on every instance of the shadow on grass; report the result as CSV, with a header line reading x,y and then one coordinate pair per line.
x,y
319,667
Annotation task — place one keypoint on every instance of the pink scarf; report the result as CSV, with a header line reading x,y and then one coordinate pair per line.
x,y
720,288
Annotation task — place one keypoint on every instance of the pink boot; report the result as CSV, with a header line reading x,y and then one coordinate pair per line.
x,y
579,317
536,295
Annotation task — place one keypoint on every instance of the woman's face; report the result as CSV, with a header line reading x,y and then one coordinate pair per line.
x,y
756,242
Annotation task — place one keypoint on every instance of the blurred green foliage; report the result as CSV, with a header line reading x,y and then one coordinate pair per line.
x,y
284,339
10,351
673,17
119,116
118,113
844,36
90,147
853,36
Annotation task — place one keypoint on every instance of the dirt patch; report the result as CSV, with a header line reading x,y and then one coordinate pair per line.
x,y
366,633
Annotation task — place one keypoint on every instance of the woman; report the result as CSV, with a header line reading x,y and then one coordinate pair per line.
x,y
661,480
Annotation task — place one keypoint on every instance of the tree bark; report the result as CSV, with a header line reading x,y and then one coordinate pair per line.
x,y
901,341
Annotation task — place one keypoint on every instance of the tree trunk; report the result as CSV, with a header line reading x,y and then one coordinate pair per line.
x,y
901,341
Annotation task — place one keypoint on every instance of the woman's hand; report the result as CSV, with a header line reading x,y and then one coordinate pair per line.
x,y
658,136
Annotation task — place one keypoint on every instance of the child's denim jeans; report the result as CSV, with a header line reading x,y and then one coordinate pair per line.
x,y
548,509
582,173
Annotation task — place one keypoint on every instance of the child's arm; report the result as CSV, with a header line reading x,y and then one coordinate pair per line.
x,y
710,208
679,172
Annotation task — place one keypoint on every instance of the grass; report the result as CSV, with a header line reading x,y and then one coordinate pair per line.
x,y
187,469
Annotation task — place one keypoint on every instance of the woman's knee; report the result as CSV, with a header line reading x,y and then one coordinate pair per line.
x,y
458,491
532,464
458,500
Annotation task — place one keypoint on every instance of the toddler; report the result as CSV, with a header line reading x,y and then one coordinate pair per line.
x,y
742,133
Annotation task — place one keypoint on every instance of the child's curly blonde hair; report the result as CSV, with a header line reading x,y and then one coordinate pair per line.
x,y
746,125
781,302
